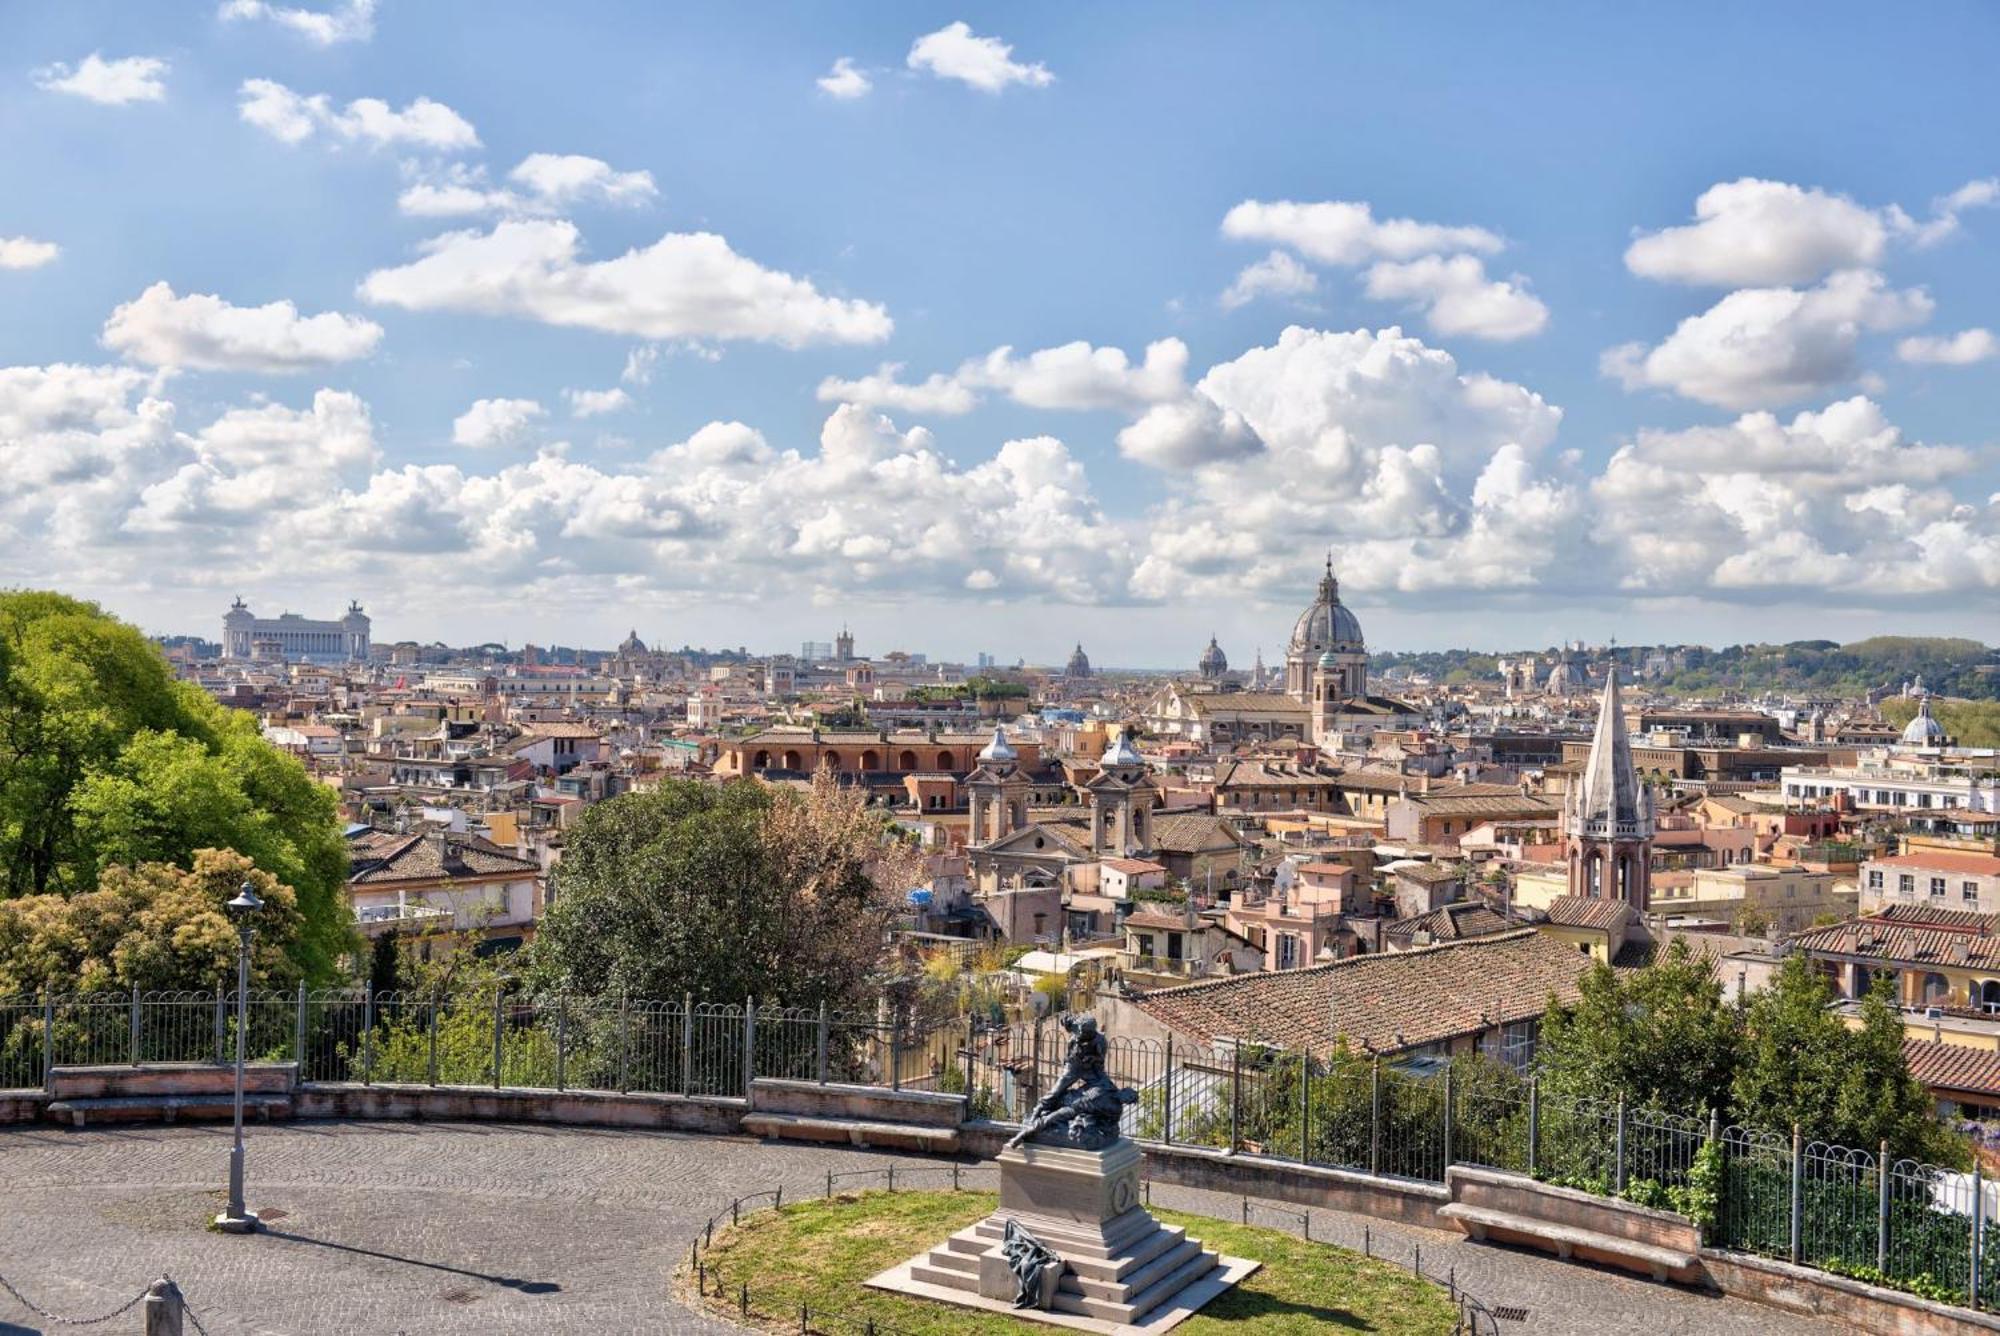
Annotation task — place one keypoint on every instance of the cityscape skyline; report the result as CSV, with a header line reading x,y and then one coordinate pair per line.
x,y
809,648
1699,372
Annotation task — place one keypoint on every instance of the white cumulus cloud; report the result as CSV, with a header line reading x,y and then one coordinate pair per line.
x,y
1756,233
496,423
1961,349
844,81
1278,274
1457,297
204,332
26,252
294,118
1768,346
350,22
113,83
594,403
986,63
685,285
938,394
1347,233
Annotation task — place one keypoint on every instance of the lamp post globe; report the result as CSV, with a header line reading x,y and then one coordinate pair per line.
x,y
236,1219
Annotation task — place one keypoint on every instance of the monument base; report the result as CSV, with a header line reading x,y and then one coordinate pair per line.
x,y
1123,1271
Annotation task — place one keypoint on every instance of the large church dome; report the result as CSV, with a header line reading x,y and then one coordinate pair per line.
x,y
1326,624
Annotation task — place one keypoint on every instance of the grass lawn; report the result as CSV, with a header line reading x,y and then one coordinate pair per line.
x,y
819,1252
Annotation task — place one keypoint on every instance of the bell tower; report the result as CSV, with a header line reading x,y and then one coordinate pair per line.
x,y
1608,816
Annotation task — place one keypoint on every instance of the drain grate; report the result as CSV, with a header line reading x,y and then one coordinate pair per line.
x,y
1511,1314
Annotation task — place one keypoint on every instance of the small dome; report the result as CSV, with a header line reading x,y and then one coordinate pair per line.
x,y
1214,663
997,750
1924,730
1079,663
1327,660
1121,752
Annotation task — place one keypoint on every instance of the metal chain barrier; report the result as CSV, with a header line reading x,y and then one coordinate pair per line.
x,y
187,1311
61,1321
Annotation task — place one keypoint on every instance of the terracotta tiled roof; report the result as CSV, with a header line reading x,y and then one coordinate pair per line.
x,y
429,856
1976,865
1885,939
1451,923
1936,916
1192,832
1132,867
1586,911
1430,874
1943,1066
1243,702
1481,804
1389,1002
555,729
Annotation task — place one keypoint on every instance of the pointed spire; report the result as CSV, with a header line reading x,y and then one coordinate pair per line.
x,y
1609,802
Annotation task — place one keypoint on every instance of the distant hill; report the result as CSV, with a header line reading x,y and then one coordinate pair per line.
x,y
1950,666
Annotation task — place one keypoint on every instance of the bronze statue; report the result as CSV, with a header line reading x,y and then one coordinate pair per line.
x,y
1085,1104
1037,1270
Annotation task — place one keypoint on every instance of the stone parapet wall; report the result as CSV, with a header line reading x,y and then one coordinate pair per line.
x,y
582,1108
1854,1305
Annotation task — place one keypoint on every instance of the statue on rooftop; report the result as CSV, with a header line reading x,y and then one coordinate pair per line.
x,y
1085,1107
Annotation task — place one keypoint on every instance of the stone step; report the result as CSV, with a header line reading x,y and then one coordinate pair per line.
x,y
1075,1241
1132,1310
167,1108
967,1281
1138,1278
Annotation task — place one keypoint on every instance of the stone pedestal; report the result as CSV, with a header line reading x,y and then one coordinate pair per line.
x,y
1123,1270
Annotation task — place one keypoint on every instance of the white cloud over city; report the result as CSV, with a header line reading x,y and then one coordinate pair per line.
x,y
571,363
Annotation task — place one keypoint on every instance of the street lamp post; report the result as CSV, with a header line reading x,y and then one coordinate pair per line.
x,y
236,1219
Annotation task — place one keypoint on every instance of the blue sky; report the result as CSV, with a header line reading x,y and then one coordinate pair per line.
x,y
700,441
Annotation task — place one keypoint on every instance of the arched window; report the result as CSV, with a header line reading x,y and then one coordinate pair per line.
x,y
871,760
793,761
944,761
907,761
761,761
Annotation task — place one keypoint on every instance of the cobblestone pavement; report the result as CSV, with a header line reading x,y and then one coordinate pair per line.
x,y
492,1228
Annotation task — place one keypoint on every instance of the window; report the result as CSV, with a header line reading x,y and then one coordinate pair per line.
x,y
1969,892
1937,888
1875,879
1906,884
1517,1044
1144,941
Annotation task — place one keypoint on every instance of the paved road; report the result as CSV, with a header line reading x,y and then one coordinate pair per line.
x,y
487,1228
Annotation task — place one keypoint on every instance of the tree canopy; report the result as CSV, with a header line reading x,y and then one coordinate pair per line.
x,y
1664,1036
1803,1064
724,892
106,761
153,926
1661,1036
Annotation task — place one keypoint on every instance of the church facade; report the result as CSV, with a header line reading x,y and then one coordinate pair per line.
x,y
1325,700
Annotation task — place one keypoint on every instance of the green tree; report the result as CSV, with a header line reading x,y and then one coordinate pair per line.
x,y
725,892
154,926
106,761
1803,1064
1660,1035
